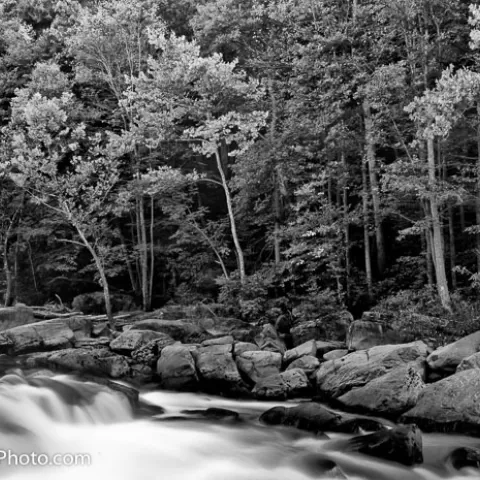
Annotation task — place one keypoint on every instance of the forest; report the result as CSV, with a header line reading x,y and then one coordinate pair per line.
x,y
270,155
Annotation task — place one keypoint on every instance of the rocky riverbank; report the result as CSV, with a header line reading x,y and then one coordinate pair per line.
x,y
360,366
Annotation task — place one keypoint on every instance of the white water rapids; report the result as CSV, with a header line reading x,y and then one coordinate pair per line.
x,y
58,416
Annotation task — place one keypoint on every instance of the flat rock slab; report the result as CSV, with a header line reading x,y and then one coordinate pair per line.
x,y
99,361
177,329
449,405
337,377
308,364
133,340
307,348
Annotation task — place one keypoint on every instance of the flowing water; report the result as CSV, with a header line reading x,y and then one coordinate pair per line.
x,y
63,420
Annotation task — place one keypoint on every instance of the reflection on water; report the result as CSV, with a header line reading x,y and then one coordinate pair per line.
x,y
59,415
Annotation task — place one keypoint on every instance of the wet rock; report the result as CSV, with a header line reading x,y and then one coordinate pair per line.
x,y
307,348
337,377
260,364
99,361
389,395
308,364
402,444
133,340
241,347
315,418
268,340
215,414
176,368
271,388
335,354
449,405
177,329
225,340
15,316
363,334
448,358
464,457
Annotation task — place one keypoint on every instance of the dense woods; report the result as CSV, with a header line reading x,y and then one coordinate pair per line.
x,y
268,154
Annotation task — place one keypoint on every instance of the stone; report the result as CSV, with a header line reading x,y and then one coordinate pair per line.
x,y
401,444
473,361
131,340
271,388
308,364
325,347
226,339
260,364
148,354
316,418
268,340
217,370
241,347
99,361
296,381
94,303
364,334
176,368
177,329
307,348
215,414
448,358
334,354
37,337
464,457
336,377
449,405
15,316
305,331
389,395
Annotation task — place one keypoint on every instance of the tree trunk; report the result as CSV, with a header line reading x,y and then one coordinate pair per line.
x,y
451,238
437,236
477,197
143,252
346,227
366,233
152,255
370,153
8,300
231,216
103,277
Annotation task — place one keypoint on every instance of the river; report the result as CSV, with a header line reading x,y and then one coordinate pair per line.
x,y
62,420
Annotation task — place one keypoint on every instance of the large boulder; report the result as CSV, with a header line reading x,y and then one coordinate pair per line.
x,y
333,326
218,326
37,337
296,381
308,364
241,347
389,395
217,369
307,348
402,444
473,361
335,354
447,358
260,364
178,329
94,303
271,388
326,347
99,361
225,340
365,334
15,316
449,405
176,368
133,340
316,418
337,377
269,340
